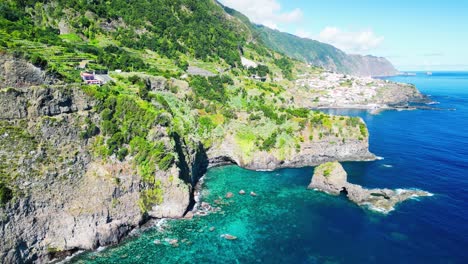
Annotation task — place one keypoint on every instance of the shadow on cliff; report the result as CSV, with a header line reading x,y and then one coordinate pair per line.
x,y
192,165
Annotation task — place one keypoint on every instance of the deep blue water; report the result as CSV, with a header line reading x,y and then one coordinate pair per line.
x,y
286,223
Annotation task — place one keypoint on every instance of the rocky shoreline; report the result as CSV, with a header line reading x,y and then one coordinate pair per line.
x,y
331,178
54,118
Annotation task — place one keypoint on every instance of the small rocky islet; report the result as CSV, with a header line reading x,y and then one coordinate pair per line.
x,y
331,178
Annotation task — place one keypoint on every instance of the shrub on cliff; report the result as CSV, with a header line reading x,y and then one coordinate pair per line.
x,y
5,194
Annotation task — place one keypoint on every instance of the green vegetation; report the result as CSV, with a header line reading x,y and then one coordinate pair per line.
x,y
17,146
286,66
327,168
137,123
211,88
118,34
260,70
150,197
126,123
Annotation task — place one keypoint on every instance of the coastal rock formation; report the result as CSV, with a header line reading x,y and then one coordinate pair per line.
x,y
332,178
309,154
83,165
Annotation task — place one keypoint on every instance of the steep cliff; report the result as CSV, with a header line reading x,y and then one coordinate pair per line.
x,y
62,196
308,153
370,66
69,183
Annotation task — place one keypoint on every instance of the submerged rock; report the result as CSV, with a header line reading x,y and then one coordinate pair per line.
x,y
229,195
253,194
332,178
228,237
241,192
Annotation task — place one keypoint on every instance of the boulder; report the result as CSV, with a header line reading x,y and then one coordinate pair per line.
x,y
329,177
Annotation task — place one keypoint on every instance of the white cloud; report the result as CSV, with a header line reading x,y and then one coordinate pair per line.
x,y
303,33
265,12
352,42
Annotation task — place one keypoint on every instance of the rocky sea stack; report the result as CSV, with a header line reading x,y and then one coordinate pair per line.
x,y
332,178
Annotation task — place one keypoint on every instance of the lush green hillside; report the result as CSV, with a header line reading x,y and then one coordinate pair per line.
x,y
317,53
110,32
308,50
152,38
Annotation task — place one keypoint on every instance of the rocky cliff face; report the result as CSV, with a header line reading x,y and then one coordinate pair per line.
x,y
370,66
19,73
65,198
309,154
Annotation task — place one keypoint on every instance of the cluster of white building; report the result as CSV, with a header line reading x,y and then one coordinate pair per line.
x,y
334,89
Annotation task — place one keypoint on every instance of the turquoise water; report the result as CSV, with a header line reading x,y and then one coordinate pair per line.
x,y
285,223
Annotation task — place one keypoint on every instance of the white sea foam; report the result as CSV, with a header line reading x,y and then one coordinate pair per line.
x,y
388,166
377,209
68,258
99,249
379,158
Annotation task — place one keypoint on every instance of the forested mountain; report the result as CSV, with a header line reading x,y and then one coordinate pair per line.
x,y
318,53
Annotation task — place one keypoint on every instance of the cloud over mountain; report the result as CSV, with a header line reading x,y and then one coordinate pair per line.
x,y
350,41
265,12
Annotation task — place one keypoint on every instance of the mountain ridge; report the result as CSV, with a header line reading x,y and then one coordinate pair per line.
x,y
317,53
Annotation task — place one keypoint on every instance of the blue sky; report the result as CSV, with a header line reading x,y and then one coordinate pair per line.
x,y
413,35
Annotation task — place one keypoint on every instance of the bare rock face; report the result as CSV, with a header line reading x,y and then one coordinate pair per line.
x,y
20,73
332,178
34,102
176,196
310,154
370,66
